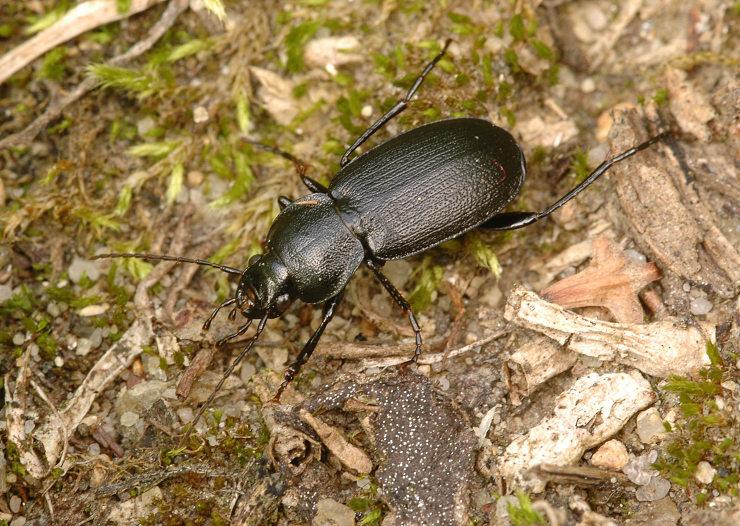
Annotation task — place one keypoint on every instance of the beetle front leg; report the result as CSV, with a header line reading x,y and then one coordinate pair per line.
x,y
330,308
401,302
514,220
396,109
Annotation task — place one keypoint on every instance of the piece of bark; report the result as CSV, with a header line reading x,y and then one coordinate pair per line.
x,y
532,364
591,411
350,456
669,220
611,280
661,348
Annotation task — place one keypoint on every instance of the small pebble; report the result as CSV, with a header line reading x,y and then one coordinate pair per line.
x,y
366,111
650,426
19,338
15,503
194,178
28,426
656,489
700,306
82,267
145,125
84,346
704,473
5,292
247,371
611,455
640,469
129,419
635,256
58,361
18,521
588,85
93,310
200,114
53,309
185,414
686,287
94,449
331,513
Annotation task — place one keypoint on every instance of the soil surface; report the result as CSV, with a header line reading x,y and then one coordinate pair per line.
x,y
139,135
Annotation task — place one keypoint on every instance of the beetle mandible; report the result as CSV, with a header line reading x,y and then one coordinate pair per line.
x,y
402,197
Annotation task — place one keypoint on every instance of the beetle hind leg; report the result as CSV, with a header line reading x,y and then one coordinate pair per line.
x,y
396,109
514,220
401,302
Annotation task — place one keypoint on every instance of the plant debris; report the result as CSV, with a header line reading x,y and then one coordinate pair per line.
x,y
594,409
612,280
660,348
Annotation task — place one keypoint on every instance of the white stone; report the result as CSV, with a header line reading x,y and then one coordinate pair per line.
x,y
611,455
200,114
656,489
331,513
650,426
15,503
704,472
82,267
129,419
700,306
93,310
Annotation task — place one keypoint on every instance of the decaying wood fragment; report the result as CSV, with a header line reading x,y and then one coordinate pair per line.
x,y
670,221
611,280
659,349
534,363
350,456
594,409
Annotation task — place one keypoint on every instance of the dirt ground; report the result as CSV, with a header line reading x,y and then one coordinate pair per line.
x,y
611,396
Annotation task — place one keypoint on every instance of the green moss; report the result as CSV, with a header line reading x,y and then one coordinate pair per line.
x,y
661,97
706,431
428,277
53,66
523,514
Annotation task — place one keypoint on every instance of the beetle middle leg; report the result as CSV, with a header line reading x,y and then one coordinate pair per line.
x,y
401,302
514,220
396,109
330,308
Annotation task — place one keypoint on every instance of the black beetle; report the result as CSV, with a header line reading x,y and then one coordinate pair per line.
x,y
405,196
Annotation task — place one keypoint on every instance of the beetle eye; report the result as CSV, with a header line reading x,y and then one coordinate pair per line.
x,y
254,259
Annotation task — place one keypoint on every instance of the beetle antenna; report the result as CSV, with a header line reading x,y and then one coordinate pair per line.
x,y
220,383
164,257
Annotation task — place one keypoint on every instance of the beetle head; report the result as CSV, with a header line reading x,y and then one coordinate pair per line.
x,y
264,288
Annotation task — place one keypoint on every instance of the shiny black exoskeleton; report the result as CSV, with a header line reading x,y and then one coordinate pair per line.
x,y
405,196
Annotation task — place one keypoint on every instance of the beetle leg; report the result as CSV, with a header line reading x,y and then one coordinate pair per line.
x,y
401,302
513,220
396,109
329,309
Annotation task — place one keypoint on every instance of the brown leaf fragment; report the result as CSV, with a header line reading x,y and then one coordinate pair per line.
x,y
350,456
611,280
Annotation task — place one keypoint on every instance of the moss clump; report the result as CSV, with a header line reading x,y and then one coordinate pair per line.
x,y
708,430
